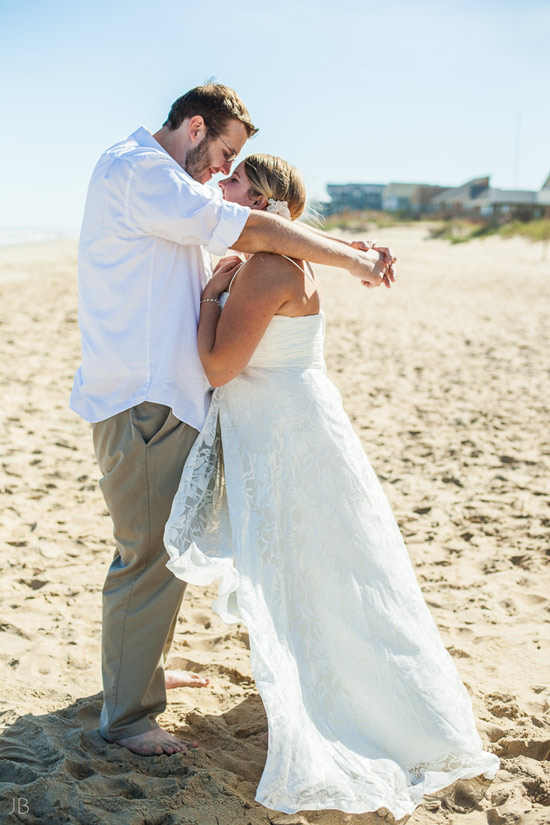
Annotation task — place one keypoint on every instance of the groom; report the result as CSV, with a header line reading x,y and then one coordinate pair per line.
x,y
148,226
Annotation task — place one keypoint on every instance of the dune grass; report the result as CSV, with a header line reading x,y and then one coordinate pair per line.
x,y
461,231
455,230
363,220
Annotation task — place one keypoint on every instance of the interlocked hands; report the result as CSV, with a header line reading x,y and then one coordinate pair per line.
x,y
384,266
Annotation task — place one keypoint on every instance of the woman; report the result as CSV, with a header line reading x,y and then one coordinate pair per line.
x,y
364,705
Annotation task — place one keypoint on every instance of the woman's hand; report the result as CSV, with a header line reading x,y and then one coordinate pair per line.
x,y
220,280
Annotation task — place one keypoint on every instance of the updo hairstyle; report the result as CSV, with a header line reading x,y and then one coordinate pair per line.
x,y
275,178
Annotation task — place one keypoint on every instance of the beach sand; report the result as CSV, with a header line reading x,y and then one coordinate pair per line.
x,y
444,378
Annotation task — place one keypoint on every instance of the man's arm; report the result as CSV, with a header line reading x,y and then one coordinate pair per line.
x,y
385,251
268,233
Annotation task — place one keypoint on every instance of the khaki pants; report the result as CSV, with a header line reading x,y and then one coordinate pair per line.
x,y
141,453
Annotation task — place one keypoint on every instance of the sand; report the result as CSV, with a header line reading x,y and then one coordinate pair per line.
x,y
444,379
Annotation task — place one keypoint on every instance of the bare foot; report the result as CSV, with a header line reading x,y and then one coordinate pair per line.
x,y
155,742
184,678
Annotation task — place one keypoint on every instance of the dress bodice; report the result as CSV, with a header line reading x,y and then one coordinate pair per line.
x,y
291,343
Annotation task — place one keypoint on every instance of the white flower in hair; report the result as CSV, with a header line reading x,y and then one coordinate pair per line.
x,y
278,208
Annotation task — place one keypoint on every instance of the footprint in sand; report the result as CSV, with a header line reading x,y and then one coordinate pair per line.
x,y
503,704
27,752
538,749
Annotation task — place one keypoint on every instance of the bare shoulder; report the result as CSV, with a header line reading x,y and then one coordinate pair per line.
x,y
271,271
276,285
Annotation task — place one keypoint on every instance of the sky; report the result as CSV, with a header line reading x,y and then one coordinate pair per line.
x,y
348,90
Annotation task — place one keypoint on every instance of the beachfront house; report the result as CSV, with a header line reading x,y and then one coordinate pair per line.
x,y
354,197
501,202
477,198
396,197
408,198
472,199
458,199
543,196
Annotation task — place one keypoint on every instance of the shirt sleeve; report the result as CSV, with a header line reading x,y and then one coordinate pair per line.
x,y
164,201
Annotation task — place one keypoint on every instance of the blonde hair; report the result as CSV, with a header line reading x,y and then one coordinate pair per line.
x,y
275,178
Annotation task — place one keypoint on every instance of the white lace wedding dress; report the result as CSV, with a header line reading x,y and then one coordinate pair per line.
x,y
365,707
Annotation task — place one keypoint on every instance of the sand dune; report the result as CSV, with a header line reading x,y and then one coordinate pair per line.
x,y
444,379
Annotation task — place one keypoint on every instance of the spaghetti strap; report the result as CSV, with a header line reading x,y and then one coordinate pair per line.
x,y
308,271
292,262
303,271
234,276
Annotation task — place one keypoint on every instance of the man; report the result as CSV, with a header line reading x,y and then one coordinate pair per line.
x,y
142,266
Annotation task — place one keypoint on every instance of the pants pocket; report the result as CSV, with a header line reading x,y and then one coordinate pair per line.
x,y
148,419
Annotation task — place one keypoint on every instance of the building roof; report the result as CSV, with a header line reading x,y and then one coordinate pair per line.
x,y
462,193
518,196
337,188
400,190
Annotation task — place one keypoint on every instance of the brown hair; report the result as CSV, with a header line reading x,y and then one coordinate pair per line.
x,y
216,103
275,178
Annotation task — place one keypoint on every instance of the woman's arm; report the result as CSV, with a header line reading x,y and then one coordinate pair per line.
x,y
227,340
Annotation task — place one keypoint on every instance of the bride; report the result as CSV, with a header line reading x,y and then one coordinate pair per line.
x,y
364,705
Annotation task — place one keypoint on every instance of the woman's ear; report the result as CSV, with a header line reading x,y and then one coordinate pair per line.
x,y
259,201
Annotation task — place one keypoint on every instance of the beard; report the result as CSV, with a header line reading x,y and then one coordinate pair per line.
x,y
197,160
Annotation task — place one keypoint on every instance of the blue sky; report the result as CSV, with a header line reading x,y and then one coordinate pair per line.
x,y
348,91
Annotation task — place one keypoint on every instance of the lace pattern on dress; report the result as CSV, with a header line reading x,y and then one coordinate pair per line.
x,y
200,516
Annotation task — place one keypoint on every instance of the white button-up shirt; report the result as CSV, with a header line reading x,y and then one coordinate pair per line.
x,y
142,267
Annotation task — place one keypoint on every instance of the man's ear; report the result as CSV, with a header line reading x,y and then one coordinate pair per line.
x,y
259,201
196,128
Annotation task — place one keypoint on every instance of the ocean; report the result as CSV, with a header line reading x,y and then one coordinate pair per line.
x,y
12,237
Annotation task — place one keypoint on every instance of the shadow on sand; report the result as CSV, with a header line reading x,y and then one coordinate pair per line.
x,y
56,768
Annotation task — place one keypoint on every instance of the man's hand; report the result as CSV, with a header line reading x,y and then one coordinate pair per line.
x,y
370,267
390,272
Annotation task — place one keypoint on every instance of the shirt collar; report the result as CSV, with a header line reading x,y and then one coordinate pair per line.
x,y
143,137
